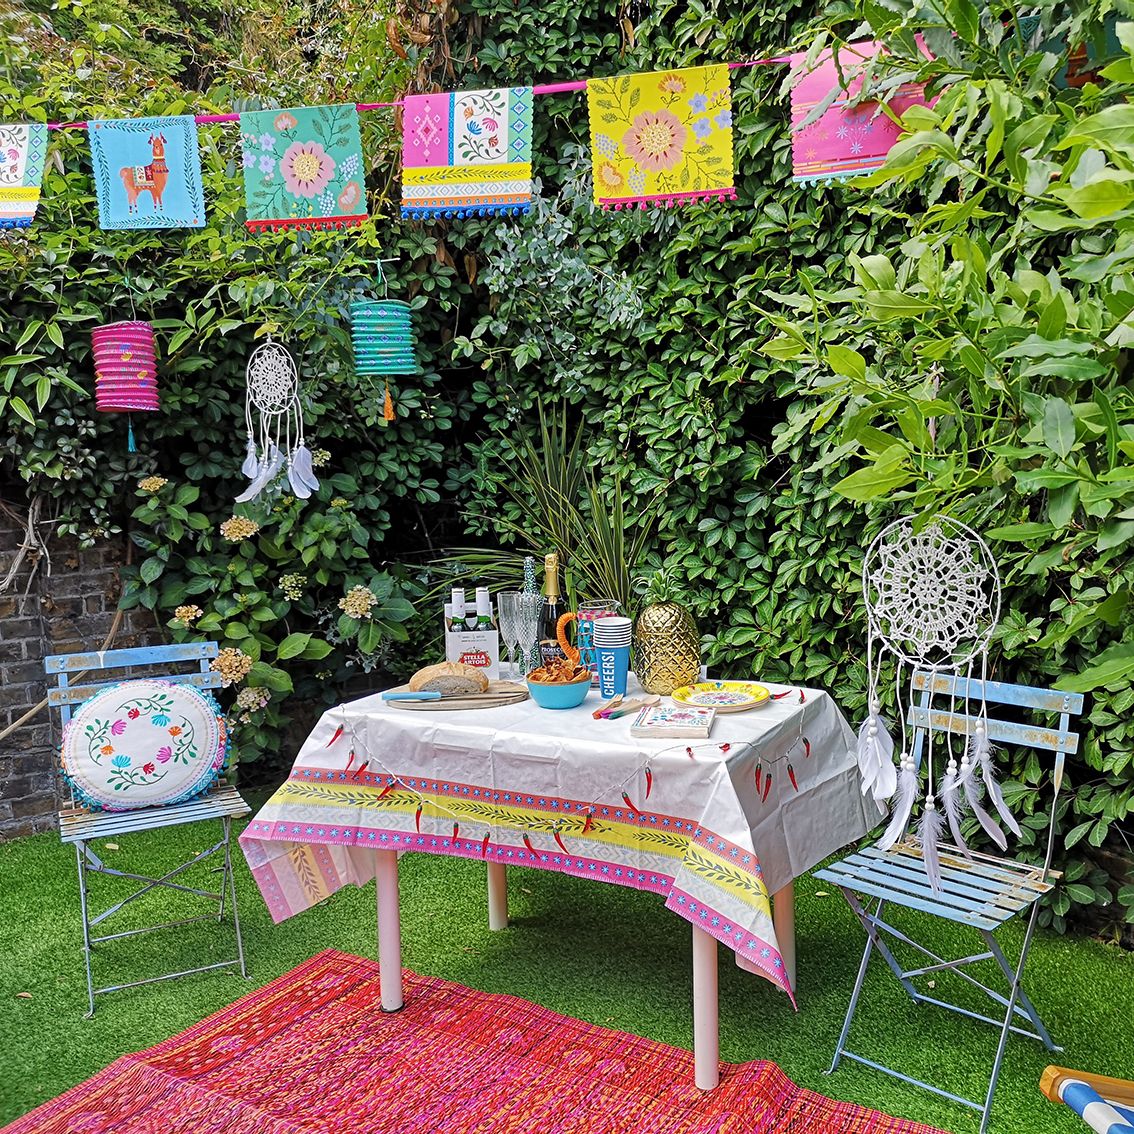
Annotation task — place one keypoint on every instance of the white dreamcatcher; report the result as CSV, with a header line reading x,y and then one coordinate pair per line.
x,y
277,439
932,602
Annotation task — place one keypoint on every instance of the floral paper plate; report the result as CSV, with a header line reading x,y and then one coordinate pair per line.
x,y
724,696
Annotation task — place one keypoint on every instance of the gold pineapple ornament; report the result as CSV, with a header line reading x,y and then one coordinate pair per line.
x,y
667,647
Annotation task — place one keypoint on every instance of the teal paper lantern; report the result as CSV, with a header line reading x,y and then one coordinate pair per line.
x,y
383,339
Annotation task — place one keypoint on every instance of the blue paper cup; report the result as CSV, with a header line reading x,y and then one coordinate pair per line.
x,y
613,666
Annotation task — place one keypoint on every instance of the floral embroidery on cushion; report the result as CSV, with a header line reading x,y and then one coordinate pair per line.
x,y
169,742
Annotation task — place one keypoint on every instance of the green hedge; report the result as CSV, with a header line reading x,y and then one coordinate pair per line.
x,y
651,326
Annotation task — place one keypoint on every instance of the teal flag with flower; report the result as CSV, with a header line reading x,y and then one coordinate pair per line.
x,y
662,138
303,168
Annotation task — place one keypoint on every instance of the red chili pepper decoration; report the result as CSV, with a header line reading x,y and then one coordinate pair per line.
x,y
759,771
689,753
338,733
802,696
528,844
456,829
649,782
725,747
767,788
387,789
777,696
417,818
791,776
588,822
806,747
350,761
562,844
484,844
626,800
360,769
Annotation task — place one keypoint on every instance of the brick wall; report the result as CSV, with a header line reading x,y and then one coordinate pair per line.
x,y
64,612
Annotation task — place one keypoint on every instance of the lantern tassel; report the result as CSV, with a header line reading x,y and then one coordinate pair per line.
x,y
388,406
130,446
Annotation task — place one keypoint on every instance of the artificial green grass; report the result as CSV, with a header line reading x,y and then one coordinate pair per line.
x,y
602,953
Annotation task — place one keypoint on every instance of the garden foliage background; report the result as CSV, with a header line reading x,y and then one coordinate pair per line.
x,y
787,373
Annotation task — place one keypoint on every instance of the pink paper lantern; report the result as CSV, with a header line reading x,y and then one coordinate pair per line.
x,y
125,367
125,370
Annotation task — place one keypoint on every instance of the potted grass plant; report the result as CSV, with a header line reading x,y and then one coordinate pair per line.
x,y
562,506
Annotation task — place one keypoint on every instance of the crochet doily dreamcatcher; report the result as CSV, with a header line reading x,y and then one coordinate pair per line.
x,y
277,438
932,602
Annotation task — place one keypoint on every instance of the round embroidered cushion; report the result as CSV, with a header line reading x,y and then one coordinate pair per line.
x,y
144,743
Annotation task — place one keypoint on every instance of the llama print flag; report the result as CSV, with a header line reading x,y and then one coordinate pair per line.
x,y
147,172
663,138
23,151
843,141
303,168
467,153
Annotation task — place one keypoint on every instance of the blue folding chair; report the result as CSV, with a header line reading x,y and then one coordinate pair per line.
x,y
981,892
81,826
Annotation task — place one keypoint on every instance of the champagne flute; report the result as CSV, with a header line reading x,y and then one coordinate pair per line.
x,y
530,608
507,608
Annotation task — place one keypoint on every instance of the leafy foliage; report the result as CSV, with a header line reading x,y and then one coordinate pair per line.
x,y
733,363
980,365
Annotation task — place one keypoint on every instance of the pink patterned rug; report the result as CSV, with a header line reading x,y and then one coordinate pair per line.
x,y
313,1053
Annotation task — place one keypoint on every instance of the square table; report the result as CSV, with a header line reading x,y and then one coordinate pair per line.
x,y
715,827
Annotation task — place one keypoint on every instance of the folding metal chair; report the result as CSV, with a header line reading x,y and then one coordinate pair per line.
x,y
82,827
982,892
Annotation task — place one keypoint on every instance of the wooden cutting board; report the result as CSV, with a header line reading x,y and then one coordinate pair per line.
x,y
499,693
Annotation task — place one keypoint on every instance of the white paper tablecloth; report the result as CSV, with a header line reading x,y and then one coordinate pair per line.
x,y
517,784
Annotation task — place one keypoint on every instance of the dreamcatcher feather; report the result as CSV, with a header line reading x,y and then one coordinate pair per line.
x,y
277,439
933,600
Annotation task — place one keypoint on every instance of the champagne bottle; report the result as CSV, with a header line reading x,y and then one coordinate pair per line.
x,y
553,607
483,609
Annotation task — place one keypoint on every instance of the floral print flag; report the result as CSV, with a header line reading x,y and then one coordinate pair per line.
x,y
842,141
467,153
663,138
147,172
23,152
303,167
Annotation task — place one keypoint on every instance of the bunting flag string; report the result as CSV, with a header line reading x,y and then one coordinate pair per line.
x,y
303,168
23,152
663,138
467,154
659,138
843,141
147,173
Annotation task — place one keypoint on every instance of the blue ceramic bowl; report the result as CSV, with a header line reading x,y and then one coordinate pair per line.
x,y
561,695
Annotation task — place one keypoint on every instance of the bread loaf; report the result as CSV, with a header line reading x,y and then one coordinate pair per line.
x,y
449,677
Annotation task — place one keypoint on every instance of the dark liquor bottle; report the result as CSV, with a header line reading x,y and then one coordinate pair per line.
x,y
553,607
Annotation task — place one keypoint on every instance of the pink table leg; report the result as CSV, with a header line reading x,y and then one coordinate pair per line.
x,y
389,929
706,1023
783,921
497,895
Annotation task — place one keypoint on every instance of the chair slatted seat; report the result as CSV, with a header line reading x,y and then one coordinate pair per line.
x,y
82,826
978,891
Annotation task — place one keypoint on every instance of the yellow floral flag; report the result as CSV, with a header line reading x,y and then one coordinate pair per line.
x,y
663,138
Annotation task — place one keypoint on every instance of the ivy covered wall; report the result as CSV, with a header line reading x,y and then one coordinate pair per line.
x,y
651,326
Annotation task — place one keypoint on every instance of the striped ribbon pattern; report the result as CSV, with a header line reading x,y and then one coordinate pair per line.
x,y
1101,1116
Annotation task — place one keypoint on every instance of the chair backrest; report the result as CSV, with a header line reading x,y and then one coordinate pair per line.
x,y
969,692
156,661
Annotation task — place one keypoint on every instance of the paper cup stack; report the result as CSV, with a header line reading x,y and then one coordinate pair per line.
x,y
612,647
382,336
125,367
613,632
